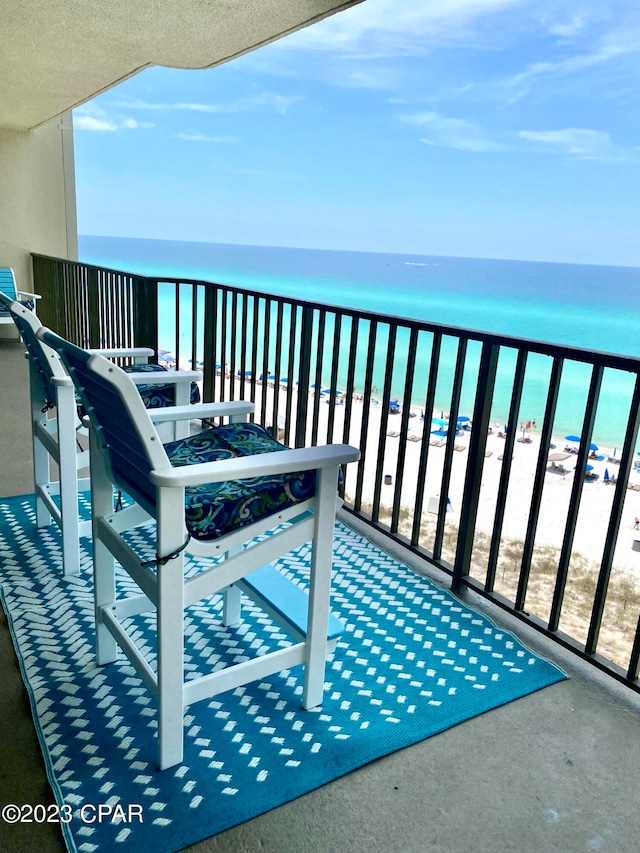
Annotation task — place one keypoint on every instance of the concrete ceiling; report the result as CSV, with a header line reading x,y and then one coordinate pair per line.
x,y
56,54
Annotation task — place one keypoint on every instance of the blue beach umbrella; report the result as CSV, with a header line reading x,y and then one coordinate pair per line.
x,y
606,475
442,433
440,421
463,419
593,446
572,438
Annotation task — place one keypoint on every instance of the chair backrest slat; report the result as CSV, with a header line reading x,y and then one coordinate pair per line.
x,y
8,282
124,431
8,289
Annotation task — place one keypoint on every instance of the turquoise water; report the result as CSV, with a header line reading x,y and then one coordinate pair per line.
x,y
586,306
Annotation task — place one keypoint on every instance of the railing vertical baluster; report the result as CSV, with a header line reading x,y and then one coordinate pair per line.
x,y
304,372
337,332
176,291
266,345
576,494
615,518
448,452
364,424
322,317
293,313
224,296
209,345
195,315
538,483
404,429
505,471
243,344
216,342
278,367
233,320
255,303
94,309
475,463
351,370
384,419
80,330
429,405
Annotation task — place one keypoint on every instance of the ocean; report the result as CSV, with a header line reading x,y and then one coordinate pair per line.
x,y
596,307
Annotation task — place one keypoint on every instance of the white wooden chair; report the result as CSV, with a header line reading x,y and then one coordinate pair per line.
x,y
55,438
250,485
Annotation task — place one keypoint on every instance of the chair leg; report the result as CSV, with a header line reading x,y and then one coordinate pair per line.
x,y
42,477
231,606
103,561
41,459
170,628
68,480
232,599
320,587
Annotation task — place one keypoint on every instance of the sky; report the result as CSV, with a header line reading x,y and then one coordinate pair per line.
x,y
473,128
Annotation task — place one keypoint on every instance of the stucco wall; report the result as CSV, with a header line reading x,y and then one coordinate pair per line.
x,y
37,196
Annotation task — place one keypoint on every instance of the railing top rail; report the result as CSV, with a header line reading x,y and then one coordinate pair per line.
x,y
581,354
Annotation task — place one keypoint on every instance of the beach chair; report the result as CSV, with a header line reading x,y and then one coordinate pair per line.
x,y
55,438
9,290
209,495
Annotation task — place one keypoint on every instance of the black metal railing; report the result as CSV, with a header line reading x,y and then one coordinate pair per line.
x,y
319,374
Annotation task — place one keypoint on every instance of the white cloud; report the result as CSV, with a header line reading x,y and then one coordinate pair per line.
x,y
448,132
270,100
95,119
618,44
569,28
99,125
201,137
390,27
581,144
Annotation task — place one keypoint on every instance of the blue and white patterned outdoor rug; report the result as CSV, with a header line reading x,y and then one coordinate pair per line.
x,y
413,661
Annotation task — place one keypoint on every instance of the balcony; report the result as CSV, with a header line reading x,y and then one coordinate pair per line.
x,y
520,778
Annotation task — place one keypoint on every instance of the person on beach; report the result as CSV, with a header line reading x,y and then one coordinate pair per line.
x,y
636,526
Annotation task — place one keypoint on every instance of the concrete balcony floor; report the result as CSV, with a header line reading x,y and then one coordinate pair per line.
x,y
554,772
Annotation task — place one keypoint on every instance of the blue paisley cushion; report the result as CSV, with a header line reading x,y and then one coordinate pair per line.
x,y
159,396
216,509
153,396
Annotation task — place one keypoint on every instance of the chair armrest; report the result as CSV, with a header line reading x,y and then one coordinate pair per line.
x,y
261,465
24,294
201,410
64,381
122,352
166,377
